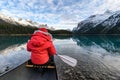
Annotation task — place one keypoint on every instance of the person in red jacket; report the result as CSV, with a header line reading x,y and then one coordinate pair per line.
x,y
41,47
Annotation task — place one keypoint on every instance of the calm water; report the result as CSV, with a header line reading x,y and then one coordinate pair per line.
x,y
98,56
7,41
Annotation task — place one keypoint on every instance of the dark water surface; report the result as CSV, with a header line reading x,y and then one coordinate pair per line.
x,y
98,56
6,41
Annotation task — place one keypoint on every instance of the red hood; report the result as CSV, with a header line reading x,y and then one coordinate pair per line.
x,y
40,38
43,29
45,35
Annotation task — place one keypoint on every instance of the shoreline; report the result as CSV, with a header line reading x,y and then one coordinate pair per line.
x,y
15,34
31,34
61,34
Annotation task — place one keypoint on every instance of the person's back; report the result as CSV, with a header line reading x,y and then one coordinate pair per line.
x,y
41,47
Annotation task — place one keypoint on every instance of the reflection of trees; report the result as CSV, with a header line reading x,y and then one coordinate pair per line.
x,y
62,36
6,41
109,43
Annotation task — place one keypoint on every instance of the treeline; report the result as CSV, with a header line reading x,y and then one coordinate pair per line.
x,y
57,32
15,29
7,28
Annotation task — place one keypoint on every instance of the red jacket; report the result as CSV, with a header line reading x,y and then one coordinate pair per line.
x,y
41,47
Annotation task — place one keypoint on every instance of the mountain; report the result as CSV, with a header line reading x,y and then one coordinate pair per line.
x,y
107,23
10,25
17,21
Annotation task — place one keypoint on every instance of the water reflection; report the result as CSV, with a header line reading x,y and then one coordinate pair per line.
x,y
109,43
12,52
98,58
6,41
104,48
62,37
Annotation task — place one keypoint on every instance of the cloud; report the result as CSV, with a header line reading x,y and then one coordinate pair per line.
x,y
57,12
50,1
112,5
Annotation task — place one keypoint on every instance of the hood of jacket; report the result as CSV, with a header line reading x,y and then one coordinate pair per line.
x,y
39,38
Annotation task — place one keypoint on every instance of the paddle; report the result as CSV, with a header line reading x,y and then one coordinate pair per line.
x,y
67,59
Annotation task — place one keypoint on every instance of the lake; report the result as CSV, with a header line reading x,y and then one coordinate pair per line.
x,y
98,56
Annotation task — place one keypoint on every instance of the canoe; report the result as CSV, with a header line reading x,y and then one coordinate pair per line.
x,y
28,71
29,64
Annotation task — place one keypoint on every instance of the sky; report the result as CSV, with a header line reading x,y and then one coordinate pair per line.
x,y
61,14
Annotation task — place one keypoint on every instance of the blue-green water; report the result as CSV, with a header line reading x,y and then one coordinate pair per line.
x,y
98,56
6,41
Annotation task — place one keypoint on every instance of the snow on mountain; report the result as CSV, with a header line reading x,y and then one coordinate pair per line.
x,y
111,22
99,18
18,21
100,23
94,19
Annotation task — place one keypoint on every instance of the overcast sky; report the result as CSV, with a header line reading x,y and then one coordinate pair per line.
x,y
57,13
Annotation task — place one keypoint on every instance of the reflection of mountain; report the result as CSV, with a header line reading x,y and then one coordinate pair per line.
x,y
6,41
109,43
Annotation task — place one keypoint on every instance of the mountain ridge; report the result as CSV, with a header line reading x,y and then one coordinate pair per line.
x,y
107,23
18,21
